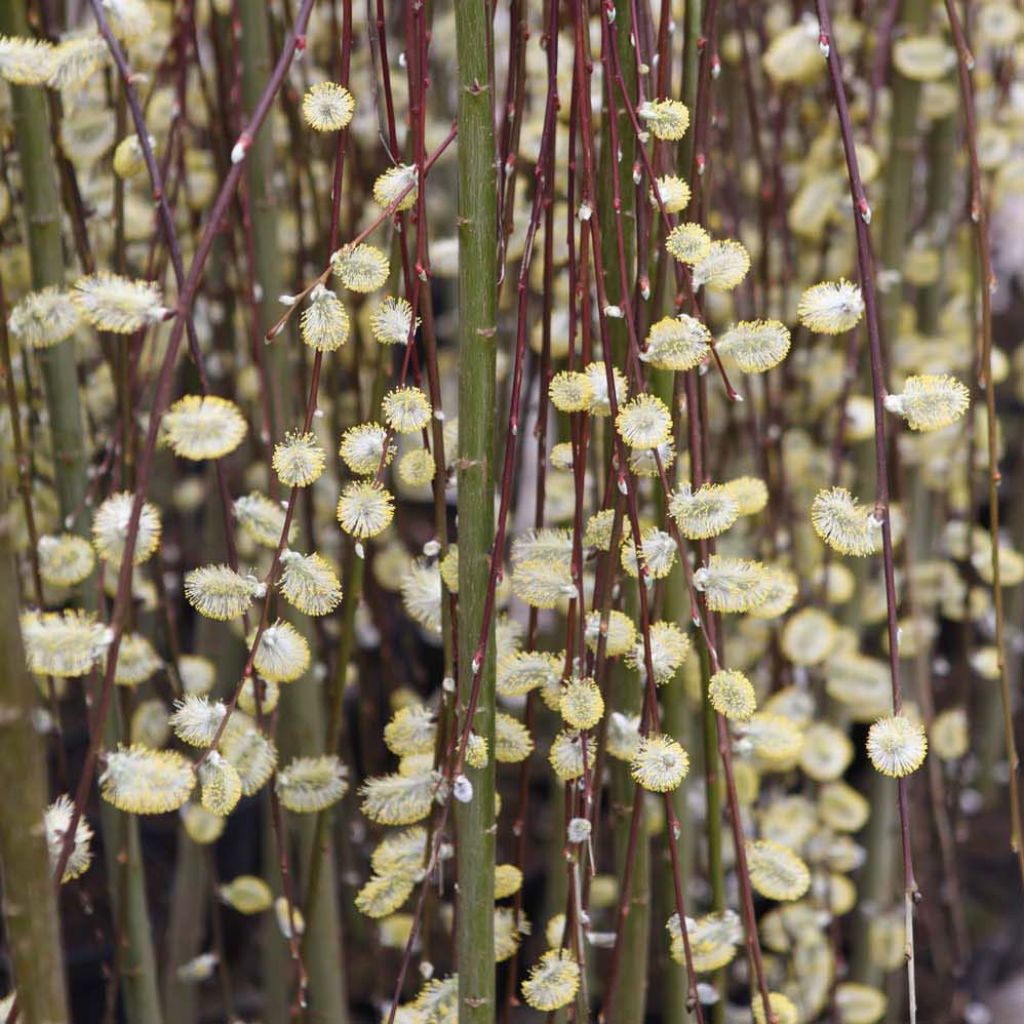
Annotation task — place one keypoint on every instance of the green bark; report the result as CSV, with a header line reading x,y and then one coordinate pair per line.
x,y
301,715
29,901
478,273
876,888
899,174
630,996
190,892
185,929
878,876
941,170
301,733
42,207
713,790
691,68
677,722
257,64
623,167
41,203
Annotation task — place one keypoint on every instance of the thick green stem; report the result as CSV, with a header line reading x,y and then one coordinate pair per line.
x,y
301,716
257,64
941,171
477,218
29,902
41,204
677,722
191,885
137,958
42,207
713,804
622,165
898,203
676,718
185,929
691,66
899,177
630,995
301,733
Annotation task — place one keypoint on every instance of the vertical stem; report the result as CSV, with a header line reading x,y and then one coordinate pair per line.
x,y
899,176
676,721
301,729
877,884
632,856
862,216
477,218
301,733
42,208
941,171
979,218
184,929
629,998
897,204
691,66
29,903
256,60
60,382
191,877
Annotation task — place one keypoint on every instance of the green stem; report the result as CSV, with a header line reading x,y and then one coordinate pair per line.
x,y
301,733
42,207
185,929
713,805
629,998
478,274
301,728
876,888
257,64
899,176
623,167
30,904
190,887
691,66
677,721
941,171
41,202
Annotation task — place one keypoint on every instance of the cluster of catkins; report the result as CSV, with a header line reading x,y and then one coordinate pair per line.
x,y
708,551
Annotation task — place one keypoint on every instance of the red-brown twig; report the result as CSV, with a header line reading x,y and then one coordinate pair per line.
x,y
978,215
161,400
862,217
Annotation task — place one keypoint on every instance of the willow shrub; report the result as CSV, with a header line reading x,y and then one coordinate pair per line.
x,y
532,475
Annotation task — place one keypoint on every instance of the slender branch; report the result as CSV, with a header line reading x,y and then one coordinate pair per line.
x,y
979,219
161,400
862,217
